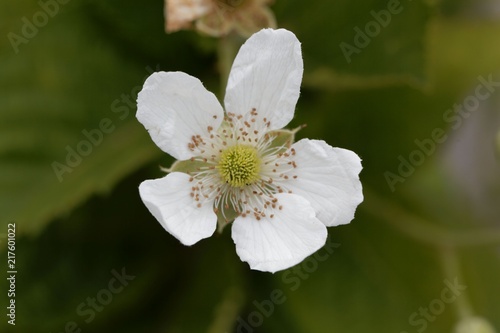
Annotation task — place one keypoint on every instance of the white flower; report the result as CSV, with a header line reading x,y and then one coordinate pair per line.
x,y
240,165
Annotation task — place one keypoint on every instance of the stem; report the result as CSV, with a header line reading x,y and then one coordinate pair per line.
x,y
444,240
451,269
422,230
226,51
227,311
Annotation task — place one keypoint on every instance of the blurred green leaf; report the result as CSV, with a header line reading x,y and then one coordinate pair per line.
x,y
210,300
364,286
72,260
67,127
359,44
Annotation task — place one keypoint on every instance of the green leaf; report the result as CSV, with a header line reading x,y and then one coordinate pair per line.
x,y
364,285
72,260
359,43
67,126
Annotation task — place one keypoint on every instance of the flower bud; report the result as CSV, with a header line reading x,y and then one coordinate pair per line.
x,y
219,17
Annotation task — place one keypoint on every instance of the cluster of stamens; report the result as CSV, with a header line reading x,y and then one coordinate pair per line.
x,y
239,165
241,170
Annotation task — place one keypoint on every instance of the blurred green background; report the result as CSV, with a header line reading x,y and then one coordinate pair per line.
x,y
437,224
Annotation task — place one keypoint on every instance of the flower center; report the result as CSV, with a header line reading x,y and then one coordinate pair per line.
x,y
239,165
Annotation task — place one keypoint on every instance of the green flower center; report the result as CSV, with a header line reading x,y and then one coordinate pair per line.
x,y
239,165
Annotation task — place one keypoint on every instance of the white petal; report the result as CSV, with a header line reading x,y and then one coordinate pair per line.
x,y
266,75
273,244
174,106
169,200
329,178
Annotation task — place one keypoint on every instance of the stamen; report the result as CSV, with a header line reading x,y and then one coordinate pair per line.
x,y
239,165
240,169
